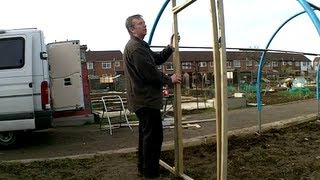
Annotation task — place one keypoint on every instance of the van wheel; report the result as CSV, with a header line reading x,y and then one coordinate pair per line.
x,y
7,138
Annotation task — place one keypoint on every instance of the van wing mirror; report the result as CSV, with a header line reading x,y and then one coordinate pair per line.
x,y
43,55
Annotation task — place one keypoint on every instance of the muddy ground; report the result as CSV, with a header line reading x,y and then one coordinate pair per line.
x,y
290,153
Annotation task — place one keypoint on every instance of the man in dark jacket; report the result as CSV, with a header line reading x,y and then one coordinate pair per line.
x,y
144,84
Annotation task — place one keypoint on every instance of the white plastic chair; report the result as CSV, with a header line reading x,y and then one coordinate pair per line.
x,y
113,103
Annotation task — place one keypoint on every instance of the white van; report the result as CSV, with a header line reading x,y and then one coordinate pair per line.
x,y
25,85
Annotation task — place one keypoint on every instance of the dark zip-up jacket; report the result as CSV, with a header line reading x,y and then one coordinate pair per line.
x,y
144,81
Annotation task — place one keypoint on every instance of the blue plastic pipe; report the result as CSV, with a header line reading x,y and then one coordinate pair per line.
x,y
261,63
316,23
262,58
157,20
311,14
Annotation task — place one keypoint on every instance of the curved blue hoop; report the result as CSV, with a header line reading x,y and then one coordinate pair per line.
x,y
315,21
157,20
311,14
262,58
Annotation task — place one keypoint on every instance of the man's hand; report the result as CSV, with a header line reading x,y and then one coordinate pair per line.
x,y
172,38
176,78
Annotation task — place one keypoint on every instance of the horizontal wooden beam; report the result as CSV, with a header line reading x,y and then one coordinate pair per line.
x,y
185,177
172,170
167,166
177,9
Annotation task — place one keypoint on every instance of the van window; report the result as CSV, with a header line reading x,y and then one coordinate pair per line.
x,y
12,53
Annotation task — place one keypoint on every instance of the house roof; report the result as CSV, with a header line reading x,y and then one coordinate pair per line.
x,y
274,56
103,55
198,56
316,59
241,55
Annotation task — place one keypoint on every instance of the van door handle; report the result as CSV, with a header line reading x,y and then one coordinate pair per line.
x,y
30,85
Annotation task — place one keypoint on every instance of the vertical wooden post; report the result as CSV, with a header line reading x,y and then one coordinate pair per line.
x,y
220,73
177,101
224,124
217,81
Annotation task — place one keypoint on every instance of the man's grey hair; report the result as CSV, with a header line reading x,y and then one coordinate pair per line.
x,y
129,21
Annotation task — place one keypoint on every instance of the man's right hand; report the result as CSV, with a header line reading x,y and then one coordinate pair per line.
x,y
172,38
176,78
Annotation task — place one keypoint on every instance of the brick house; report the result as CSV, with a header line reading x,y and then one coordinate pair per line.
x,y
104,63
241,65
315,63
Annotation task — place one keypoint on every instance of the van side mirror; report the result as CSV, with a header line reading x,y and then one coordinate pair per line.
x,y
43,55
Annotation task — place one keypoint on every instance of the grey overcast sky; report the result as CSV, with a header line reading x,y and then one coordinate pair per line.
x,y
100,24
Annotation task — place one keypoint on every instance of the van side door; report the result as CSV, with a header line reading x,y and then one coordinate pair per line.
x,y
16,91
65,75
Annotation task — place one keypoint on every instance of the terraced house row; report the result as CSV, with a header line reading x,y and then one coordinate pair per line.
x,y
242,66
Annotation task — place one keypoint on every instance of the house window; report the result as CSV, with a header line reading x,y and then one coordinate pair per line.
x,y
169,66
106,75
230,75
106,65
159,67
249,63
89,65
304,64
117,63
229,64
186,65
297,63
274,64
203,64
211,64
267,64
236,63
284,63
290,63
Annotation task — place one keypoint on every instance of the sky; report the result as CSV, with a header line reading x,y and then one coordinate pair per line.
x,y
99,24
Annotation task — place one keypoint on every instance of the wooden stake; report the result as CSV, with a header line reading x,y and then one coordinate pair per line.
x,y
177,101
224,95
219,58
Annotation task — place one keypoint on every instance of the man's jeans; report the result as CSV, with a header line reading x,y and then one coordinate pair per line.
x,y
150,141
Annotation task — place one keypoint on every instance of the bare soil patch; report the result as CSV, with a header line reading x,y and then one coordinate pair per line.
x,y
289,153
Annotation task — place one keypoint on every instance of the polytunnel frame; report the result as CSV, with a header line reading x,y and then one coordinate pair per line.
x,y
315,21
219,51
219,54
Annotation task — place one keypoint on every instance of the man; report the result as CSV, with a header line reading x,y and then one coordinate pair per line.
x,y
144,84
